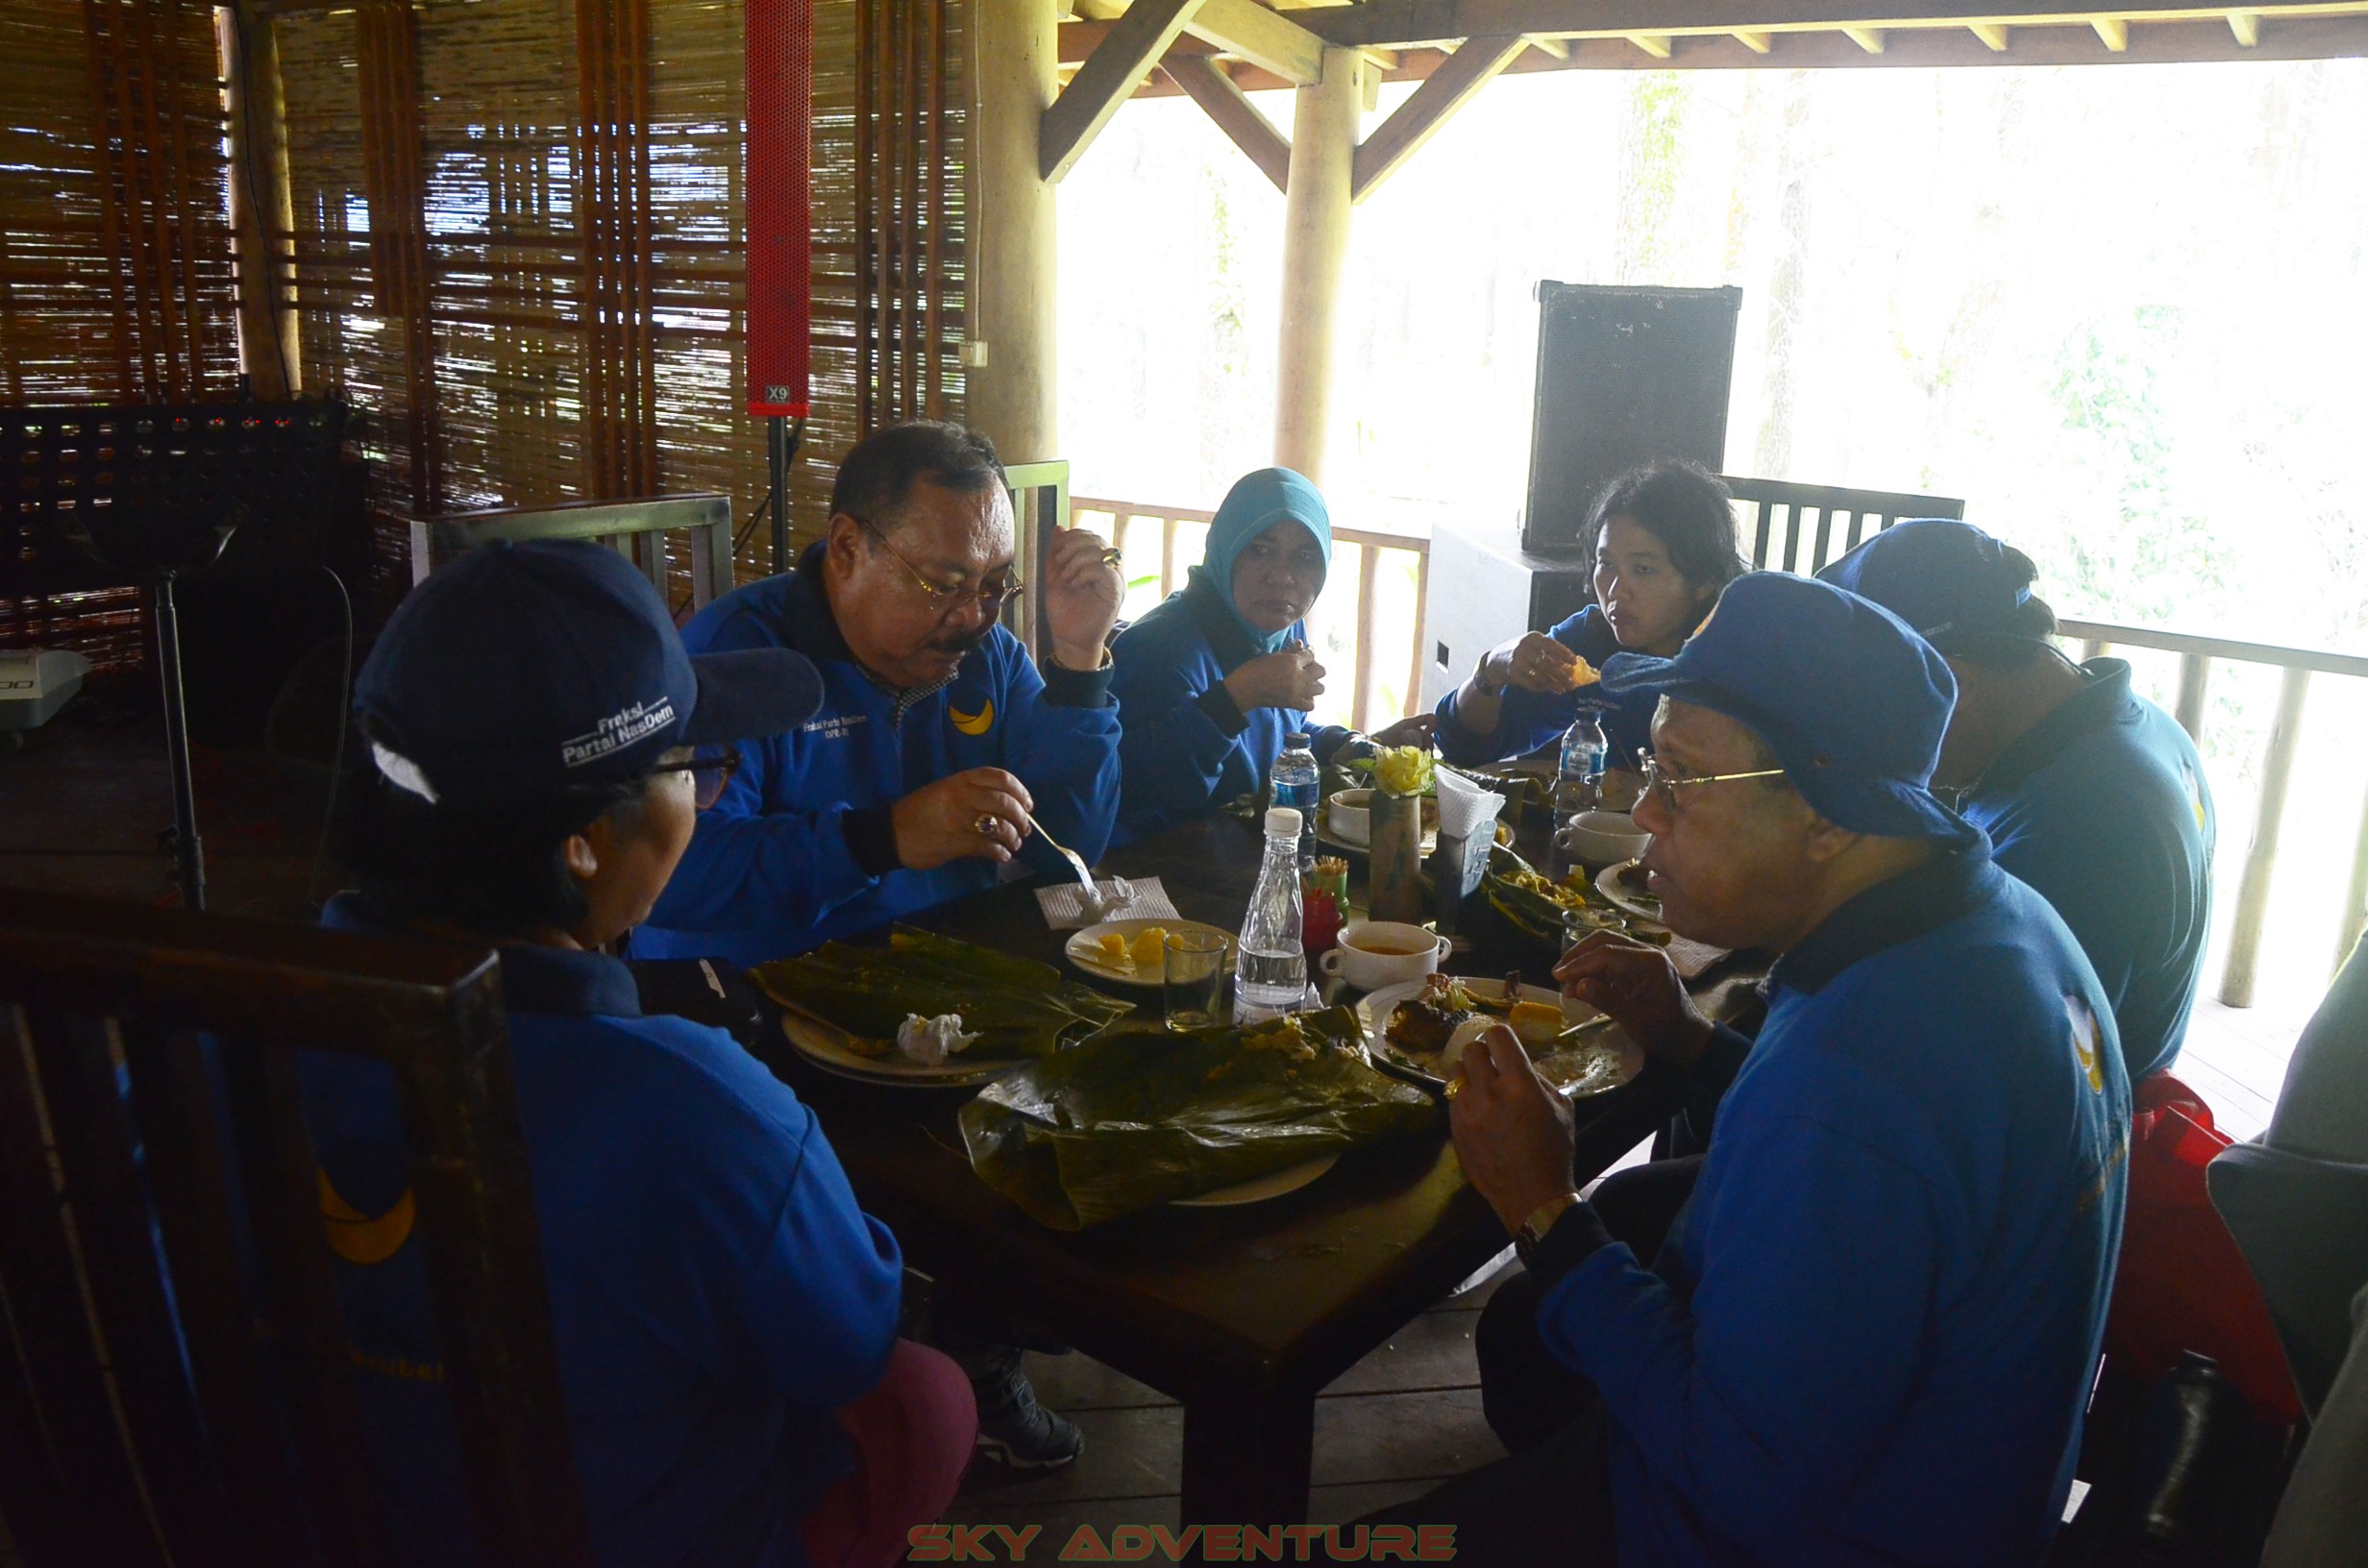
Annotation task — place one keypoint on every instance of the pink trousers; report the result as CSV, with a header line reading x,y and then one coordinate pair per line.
x,y
912,1436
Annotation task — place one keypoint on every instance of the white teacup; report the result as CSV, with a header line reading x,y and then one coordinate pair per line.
x,y
1376,953
1351,815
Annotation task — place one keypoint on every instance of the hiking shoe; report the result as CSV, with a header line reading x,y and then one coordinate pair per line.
x,y
1018,1432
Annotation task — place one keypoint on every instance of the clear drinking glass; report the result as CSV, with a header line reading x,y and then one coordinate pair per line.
x,y
1193,978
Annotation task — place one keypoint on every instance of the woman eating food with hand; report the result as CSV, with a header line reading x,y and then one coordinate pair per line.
x,y
1662,538
1211,680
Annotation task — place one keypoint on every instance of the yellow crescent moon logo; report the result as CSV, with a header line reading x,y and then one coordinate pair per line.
x,y
973,723
2085,1042
364,1238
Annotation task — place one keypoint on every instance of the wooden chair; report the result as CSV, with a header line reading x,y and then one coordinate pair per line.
x,y
1826,509
151,1412
637,529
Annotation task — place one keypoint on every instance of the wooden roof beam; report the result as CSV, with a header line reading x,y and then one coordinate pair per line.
x,y
2246,25
1993,36
2113,32
1868,38
1418,118
1208,85
1107,79
1655,45
1755,40
1271,43
1398,24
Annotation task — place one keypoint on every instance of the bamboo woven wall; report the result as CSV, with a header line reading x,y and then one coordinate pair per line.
x,y
581,229
116,278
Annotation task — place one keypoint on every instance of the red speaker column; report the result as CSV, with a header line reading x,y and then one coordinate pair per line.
x,y
780,188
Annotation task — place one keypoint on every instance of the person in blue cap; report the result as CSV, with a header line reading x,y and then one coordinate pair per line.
x,y
2089,791
725,1315
937,735
1662,541
1871,1334
1213,678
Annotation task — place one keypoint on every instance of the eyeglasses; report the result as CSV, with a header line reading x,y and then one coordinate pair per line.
x,y
709,775
990,597
1662,783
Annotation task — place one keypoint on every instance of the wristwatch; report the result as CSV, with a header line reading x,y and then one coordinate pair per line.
x,y
1541,1220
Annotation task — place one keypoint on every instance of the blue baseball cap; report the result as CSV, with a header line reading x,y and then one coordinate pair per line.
x,y
1949,581
1850,700
522,669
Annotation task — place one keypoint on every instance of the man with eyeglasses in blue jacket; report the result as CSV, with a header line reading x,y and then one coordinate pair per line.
x,y
937,740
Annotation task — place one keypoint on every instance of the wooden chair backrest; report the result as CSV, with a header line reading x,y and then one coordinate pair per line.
x,y
1823,516
153,1410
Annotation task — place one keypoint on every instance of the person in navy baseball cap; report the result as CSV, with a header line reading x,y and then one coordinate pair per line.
x,y
2089,791
1889,1264
725,1313
520,669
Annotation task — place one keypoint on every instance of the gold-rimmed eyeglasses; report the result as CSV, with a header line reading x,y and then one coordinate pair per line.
x,y
709,773
1663,783
989,596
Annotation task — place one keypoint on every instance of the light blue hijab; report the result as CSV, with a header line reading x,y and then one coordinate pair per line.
x,y
1257,502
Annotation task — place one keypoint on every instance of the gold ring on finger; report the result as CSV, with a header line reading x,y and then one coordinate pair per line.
x,y
983,825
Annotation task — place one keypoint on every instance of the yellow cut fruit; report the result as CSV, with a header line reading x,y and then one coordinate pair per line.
x,y
1537,1023
1114,951
1582,674
1150,948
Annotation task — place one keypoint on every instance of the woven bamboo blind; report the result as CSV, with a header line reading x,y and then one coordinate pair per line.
x,y
116,277
578,325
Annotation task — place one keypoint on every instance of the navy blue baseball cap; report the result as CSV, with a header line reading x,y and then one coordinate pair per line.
x,y
522,669
1949,581
1850,700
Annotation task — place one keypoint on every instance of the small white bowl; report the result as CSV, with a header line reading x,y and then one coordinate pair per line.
x,y
1351,813
1604,838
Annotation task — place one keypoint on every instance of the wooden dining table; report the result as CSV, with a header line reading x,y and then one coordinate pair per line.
x,y
1241,1315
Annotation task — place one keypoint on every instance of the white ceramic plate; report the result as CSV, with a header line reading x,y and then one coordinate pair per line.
x,y
1272,1184
1084,950
1644,904
1597,1061
829,1047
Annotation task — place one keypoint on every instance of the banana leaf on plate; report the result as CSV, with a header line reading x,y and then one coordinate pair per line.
x,y
1017,1007
1127,1121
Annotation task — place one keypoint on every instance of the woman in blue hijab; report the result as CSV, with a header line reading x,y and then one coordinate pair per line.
x,y
1211,680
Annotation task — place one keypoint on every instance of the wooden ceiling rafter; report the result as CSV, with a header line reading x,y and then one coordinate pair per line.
x,y
1410,39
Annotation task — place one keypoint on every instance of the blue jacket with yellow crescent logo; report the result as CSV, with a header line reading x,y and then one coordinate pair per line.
x,y
2102,806
715,1291
1188,748
1527,720
798,850
1870,1335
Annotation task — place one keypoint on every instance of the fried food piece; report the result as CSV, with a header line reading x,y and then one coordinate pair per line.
x,y
1539,1023
1423,1025
1580,673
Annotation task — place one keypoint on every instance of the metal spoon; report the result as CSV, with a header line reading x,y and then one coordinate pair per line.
x,y
1096,906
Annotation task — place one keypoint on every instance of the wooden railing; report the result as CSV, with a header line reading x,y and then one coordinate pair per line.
x,y
1375,649
2196,654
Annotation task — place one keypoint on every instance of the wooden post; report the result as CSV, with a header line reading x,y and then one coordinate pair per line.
x,y
2194,671
2355,902
2252,892
262,213
1012,354
1361,699
2093,649
1323,142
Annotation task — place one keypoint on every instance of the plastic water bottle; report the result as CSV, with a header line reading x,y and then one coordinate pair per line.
x,y
1269,973
1578,784
1298,784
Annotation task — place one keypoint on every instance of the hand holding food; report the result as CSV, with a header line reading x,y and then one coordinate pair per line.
x,y
1288,678
1538,663
1513,1132
1640,987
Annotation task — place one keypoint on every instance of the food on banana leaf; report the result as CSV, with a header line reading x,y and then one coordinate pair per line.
x,y
1127,1121
1536,904
1014,1007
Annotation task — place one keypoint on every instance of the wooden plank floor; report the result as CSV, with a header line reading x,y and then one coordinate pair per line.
x,y
1394,1426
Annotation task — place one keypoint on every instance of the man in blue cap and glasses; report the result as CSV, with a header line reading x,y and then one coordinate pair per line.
x,y
725,1315
1869,1335
2089,791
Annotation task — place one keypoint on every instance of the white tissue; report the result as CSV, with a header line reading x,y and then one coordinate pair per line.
x,y
931,1041
1466,810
